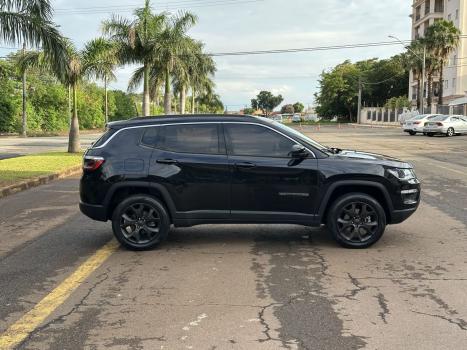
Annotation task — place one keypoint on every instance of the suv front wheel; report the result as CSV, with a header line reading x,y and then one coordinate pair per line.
x,y
356,220
140,222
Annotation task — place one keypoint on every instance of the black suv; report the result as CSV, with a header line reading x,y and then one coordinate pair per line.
x,y
146,174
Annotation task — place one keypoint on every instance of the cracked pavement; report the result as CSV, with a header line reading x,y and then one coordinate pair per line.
x,y
250,286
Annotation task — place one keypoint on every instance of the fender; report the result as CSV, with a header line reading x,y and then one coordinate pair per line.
x,y
142,184
336,185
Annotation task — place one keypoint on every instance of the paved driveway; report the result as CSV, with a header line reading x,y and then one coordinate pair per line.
x,y
245,286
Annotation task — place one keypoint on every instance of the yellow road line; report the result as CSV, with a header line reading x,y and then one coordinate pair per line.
x,y
18,331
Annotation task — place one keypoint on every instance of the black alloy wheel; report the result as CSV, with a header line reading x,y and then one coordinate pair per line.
x,y
356,220
412,133
140,222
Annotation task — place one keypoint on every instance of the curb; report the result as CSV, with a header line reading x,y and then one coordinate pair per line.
x,y
376,126
41,180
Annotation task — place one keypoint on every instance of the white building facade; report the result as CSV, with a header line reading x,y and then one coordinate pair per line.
x,y
424,14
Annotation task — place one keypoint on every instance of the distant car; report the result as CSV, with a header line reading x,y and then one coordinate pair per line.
x,y
277,118
416,124
296,118
447,125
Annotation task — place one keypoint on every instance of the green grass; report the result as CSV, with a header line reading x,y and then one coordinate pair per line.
x,y
15,170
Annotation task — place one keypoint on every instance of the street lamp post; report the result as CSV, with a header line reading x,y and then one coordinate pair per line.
x,y
423,59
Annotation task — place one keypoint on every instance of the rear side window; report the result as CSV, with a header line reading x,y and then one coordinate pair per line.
x,y
257,141
189,138
107,135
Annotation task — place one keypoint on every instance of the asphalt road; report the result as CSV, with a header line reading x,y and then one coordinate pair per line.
x,y
248,286
14,146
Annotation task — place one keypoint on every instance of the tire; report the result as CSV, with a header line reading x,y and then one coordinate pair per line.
x,y
350,229
140,222
450,132
412,133
430,134
424,134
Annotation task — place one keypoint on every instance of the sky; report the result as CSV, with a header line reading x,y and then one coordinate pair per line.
x,y
245,25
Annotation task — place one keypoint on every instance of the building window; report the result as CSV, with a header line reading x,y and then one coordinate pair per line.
x,y
425,27
457,14
449,17
454,63
427,7
417,13
454,83
439,6
446,84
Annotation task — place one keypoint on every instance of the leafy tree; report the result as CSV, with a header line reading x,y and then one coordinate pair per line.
x,y
249,111
298,107
397,102
266,101
288,109
30,23
441,39
137,41
210,103
124,106
7,114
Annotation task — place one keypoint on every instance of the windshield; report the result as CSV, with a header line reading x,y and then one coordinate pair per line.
x,y
298,134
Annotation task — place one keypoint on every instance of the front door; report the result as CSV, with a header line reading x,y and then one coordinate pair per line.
x,y
267,183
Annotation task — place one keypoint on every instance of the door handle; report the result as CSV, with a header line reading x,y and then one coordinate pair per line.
x,y
166,161
245,165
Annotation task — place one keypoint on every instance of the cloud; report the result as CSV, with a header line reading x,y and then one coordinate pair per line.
x,y
271,24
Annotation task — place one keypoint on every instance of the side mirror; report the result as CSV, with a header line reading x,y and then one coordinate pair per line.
x,y
298,151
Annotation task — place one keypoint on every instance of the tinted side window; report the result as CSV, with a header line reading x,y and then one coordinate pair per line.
x,y
108,133
254,140
190,138
150,137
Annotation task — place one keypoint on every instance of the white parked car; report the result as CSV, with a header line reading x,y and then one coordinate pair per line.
x,y
447,125
296,118
415,125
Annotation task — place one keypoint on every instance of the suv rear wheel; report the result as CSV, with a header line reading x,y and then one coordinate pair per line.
x,y
356,220
140,222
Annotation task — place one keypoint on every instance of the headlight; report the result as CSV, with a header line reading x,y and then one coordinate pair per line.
x,y
402,174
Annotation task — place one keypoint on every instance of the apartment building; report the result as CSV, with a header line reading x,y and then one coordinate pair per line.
x,y
425,13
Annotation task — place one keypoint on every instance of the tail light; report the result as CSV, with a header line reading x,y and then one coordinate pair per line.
x,y
439,124
92,163
416,123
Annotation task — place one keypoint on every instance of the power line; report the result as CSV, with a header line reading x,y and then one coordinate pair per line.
x,y
191,5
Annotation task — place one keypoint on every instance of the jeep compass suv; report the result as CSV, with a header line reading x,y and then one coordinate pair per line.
x,y
146,174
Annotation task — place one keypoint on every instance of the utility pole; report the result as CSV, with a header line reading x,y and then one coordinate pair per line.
x,y
359,110
24,128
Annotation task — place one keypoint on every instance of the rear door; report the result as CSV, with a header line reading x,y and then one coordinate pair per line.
x,y
190,161
267,183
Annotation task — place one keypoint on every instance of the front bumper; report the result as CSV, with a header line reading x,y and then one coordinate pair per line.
x,y
95,212
398,216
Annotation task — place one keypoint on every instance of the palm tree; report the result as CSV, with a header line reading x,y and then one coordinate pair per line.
x,y
80,64
136,42
201,72
412,61
442,38
29,22
173,48
101,61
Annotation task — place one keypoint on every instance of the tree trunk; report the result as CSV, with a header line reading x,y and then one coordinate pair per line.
x,y
24,129
182,99
441,85
73,140
167,100
429,90
192,100
146,99
419,106
106,102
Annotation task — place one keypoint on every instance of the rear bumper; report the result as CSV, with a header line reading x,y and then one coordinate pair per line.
x,y
95,212
398,216
436,130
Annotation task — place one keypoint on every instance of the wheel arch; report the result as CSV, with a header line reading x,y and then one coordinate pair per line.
x,y
122,190
340,188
